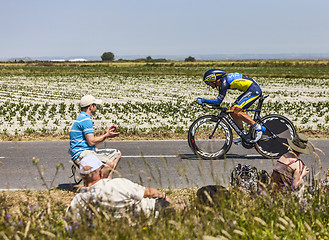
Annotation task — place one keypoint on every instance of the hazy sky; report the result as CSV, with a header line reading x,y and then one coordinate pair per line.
x,y
162,27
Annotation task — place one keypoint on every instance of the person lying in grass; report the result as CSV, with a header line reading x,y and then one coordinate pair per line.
x,y
117,194
289,170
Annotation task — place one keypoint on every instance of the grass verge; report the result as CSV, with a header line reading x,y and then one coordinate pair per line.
x,y
237,215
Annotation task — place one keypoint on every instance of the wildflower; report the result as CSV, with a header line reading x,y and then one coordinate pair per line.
x,y
285,186
304,204
75,225
68,229
91,225
292,185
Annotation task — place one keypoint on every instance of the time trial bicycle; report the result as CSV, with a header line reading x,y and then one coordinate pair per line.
x,y
211,137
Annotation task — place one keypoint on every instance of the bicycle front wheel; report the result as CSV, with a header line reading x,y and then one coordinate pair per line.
x,y
275,146
210,137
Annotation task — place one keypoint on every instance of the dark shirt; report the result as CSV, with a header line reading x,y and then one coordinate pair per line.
x,y
283,176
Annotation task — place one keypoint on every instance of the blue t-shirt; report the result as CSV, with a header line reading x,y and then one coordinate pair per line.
x,y
80,128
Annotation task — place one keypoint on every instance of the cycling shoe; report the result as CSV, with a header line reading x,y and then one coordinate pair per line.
x,y
237,141
259,134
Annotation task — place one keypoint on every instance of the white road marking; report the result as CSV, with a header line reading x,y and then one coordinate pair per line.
x,y
174,156
149,156
11,189
2,157
237,155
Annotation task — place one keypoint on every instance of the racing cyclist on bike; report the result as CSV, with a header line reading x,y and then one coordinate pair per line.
x,y
217,78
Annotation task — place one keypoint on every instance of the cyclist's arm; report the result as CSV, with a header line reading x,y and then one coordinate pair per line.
x,y
222,93
212,101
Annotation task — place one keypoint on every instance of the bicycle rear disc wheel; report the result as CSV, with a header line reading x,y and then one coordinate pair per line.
x,y
275,147
203,144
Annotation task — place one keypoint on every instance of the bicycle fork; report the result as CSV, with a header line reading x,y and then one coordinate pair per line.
x,y
215,128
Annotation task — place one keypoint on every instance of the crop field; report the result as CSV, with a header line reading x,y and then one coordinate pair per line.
x,y
143,98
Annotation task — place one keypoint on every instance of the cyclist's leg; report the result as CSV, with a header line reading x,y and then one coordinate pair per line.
x,y
243,102
239,116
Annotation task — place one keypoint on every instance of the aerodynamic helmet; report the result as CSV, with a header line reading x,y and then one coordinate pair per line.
x,y
212,75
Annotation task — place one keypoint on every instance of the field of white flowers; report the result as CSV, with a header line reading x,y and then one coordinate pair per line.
x,y
34,104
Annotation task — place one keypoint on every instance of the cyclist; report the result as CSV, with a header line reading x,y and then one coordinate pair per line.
x,y
217,78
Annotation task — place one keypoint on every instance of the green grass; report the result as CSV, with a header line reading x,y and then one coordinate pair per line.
x,y
41,215
256,68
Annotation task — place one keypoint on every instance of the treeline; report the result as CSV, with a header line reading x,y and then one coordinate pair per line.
x,y
148,59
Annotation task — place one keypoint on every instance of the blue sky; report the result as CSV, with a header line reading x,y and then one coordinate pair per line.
x,y
162,27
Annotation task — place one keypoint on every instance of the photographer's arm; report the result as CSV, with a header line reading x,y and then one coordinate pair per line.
x,y
154,193
92,140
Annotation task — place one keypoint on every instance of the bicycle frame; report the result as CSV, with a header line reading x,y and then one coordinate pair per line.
x,y
224,114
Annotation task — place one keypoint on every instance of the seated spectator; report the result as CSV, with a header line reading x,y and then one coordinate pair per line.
x,y
117,194
84,142
289,170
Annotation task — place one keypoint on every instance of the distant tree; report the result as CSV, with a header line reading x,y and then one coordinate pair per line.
x,y
149,59
107,56
190,59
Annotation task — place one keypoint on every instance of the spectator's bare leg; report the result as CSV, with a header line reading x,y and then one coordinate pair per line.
x,y
111,165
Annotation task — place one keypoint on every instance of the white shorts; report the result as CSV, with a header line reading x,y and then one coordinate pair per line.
x,y
103,154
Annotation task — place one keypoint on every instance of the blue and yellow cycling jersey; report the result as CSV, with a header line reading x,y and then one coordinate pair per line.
x,y
237,81
234,81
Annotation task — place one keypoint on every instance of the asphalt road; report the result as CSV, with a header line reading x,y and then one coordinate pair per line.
x,y
161,164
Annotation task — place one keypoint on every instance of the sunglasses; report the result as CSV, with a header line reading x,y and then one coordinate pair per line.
x,y
211,78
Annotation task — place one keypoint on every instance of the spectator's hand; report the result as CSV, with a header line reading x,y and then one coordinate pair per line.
x,y
111,132
305,171
199,101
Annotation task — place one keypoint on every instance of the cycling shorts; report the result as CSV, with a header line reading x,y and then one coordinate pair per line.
x,y
246,99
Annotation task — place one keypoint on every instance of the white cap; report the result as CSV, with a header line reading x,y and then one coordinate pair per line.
x,y
91,161
88,100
